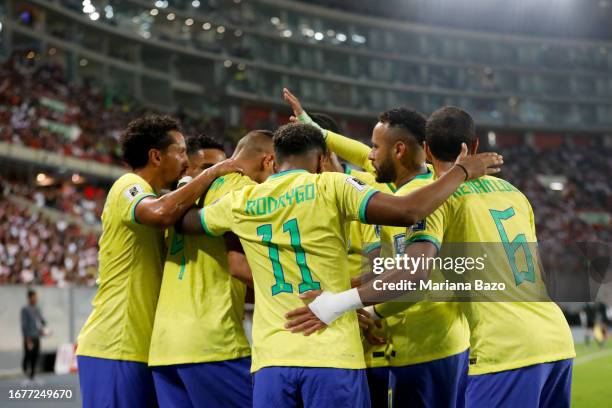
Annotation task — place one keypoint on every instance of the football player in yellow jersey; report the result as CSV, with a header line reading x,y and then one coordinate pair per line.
x,y
293,230
520,352
430,340
113,346
199,351
363,246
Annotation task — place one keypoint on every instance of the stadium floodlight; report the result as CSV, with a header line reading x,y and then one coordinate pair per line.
x,y
154,12
31,55
171,16
331,33
341,37
189,22
83,62
275,20
318,36
52,51
556,186
88,8
109,12
220,29
286,33
227,63
359,39
0,26
206,26
492,137
238,33
94,16
195,3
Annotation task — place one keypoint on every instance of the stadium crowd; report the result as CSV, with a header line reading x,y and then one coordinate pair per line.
x,y
39,109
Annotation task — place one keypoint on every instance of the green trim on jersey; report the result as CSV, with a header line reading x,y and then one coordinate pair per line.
x,y
364,204
282,173
137,201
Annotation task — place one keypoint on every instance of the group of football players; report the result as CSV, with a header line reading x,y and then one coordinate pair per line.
x,y
285,220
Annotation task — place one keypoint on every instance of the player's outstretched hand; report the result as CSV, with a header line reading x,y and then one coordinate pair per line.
x,y
294,102
227,166
303,319
478,165
368,326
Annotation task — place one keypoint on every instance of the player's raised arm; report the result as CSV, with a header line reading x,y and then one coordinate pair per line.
x,y
166,210
385,209
346,148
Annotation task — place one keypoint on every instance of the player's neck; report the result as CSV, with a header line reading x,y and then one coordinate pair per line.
x,y
404,174
441,167
296,165
152,177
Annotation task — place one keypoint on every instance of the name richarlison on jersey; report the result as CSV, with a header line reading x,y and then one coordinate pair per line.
x,y
267,205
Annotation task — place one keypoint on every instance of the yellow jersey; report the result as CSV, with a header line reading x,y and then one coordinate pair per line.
x,y
130,272
363,239
503,335
426,331
201,306
293,230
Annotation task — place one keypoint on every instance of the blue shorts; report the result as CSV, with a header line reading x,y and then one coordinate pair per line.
x,y
437,383
308,387
215,384
115,383
540,385
378,382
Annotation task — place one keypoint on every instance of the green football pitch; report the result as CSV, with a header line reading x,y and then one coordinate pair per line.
x,y
592,379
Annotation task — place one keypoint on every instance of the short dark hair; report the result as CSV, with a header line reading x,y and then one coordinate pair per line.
x,y
446,129
202,141
326,122
31,292
297,139
146,133
407,119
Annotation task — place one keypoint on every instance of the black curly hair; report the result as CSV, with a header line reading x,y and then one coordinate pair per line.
x,y
446,129
202,141
405,118
297,139
146,133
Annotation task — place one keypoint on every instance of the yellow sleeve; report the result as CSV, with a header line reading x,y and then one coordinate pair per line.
x,y
370,240
350,150
216,218
128,199
431,228
351,196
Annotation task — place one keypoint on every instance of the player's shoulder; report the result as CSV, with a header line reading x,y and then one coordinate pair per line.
x,y
230,182
130,184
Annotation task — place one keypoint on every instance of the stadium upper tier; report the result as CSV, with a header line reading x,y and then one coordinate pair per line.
x,y
205,56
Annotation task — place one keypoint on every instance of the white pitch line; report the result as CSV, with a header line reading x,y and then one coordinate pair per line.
x,y
593,356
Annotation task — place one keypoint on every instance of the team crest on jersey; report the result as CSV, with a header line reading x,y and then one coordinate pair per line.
x,y
132,191
358,184
419,226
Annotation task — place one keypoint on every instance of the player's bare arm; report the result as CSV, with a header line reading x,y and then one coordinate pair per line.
x,y
386,209
165,211
331,306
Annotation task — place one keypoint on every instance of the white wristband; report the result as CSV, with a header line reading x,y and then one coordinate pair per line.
x,y
304,118
330,306
372,313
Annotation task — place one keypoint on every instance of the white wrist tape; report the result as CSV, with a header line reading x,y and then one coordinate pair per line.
x,y
372,313
330,306
184,180
304,118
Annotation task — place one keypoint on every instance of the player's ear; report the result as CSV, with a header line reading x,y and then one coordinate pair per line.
x,y
428,154
399,149
155,157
